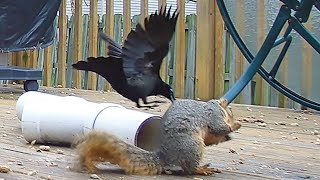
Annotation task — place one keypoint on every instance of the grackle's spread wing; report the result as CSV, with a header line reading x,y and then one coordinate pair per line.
x,y
145,48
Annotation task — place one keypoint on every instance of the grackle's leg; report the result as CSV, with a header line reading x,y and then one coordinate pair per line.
x,y
137,103
144,99
145,102
156,101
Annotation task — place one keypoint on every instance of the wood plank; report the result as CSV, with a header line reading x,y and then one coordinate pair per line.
x,y
218,52
77,40
191,57
117,28
240,60
93,41
284,76
101,52
109,29
230,59
62,55
164,65
261,95
19,58
13,58
26,58
34,57
204,56
126,18
307,55
70,49
143,11
47,66
10,58
40,64
85,34
180,55
261,152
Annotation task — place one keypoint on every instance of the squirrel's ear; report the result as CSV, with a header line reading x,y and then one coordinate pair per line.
x,y
223,103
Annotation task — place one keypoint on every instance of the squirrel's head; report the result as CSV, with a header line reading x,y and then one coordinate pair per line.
x,y
209,138
229,119
222,124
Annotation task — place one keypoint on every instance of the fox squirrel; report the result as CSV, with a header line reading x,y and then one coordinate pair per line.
x,y
185,129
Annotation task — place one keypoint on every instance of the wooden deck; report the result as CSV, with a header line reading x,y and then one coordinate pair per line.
x,y
272,144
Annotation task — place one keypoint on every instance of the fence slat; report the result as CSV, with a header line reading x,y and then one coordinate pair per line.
x,y
93,41
34,58
180,59
62,56
260,92
218,52
101,52
77,40
205,60
109,29
143,10
85,48
70,49
126,18
191,56
47,70
240,60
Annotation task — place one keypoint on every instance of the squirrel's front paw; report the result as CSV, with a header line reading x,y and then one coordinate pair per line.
x,y
235,126
206,170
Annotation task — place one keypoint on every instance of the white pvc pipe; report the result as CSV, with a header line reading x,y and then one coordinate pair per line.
x,y
59,120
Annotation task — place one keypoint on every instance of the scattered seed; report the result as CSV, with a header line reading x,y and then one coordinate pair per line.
x,y
4,169
262,124
59,151
44,148
245,120
196,178
32,173
52,164
94,176
315,132
233,151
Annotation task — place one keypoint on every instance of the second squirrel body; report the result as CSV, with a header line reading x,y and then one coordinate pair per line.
x,y
185,129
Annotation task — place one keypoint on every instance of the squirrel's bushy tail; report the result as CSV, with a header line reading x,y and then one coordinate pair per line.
x,y
98,146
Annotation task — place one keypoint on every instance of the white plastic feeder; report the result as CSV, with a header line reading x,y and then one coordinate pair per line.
x,y
59,120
